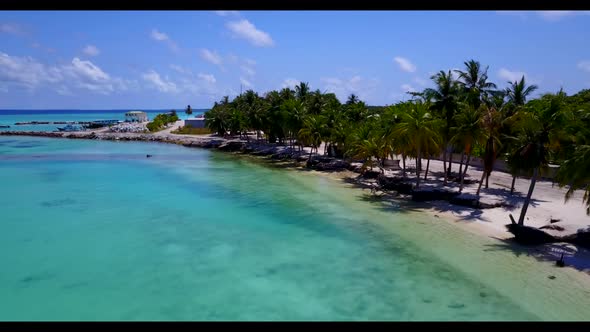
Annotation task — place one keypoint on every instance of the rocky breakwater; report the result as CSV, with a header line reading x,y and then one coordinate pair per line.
x,y
129,127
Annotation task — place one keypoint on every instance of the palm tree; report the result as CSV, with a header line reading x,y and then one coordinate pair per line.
x,y
491,122
217,118
311,133
474,81
294,113
538,129
469,132
573,172
352,99
420,129
444,98
518,92
302,91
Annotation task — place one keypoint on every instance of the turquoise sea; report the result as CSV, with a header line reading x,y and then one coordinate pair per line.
x,y
93,230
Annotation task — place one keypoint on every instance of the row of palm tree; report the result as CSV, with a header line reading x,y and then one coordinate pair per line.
x,y
463,112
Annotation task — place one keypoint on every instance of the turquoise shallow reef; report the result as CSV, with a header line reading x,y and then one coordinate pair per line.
x,y
94,230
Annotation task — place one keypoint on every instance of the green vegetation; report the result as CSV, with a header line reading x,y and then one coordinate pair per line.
x,y
189,130
161,120
462,113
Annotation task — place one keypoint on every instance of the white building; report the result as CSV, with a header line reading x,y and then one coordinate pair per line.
x,y
198,122
136,116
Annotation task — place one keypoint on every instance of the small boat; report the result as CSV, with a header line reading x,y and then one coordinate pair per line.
x,y
4,126
69,128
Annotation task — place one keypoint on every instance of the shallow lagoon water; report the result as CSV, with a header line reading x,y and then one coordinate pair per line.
x,y
93,230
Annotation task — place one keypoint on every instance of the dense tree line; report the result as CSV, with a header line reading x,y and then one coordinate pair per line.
x,y
462,113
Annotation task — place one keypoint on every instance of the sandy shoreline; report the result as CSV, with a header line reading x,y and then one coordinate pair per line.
x,y
547,200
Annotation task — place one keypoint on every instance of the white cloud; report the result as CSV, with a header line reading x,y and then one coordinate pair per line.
x,y
584,65
407,88
162,37
246,30
209,78
227,12
88,70
29,73
26,71
89,76
91,50
245,83
547,15
162,85
405,64
290,83
159,36
555,15
13,29
509,75
181,70
210,56
363,88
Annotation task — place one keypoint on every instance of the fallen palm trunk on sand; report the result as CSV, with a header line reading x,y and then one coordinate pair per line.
x,y
533,236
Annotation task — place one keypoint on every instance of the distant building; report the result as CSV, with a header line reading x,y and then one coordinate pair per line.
x,y
136,116
197,122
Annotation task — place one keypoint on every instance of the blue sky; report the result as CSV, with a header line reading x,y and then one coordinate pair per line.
x,y
168,59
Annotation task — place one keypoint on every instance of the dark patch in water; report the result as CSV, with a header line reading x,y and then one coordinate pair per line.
x,y
456,305
427,300
36,278
482,294
26,144
58,202
7,142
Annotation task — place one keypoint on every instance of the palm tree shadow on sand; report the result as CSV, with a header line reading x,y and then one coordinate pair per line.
x,y
573,256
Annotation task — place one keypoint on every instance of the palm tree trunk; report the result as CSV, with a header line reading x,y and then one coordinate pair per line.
x,y
466,165
450,161
483,174
418,168
525,206
427,166
403,165
461,163
445,165
512,187
487,178
464,172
